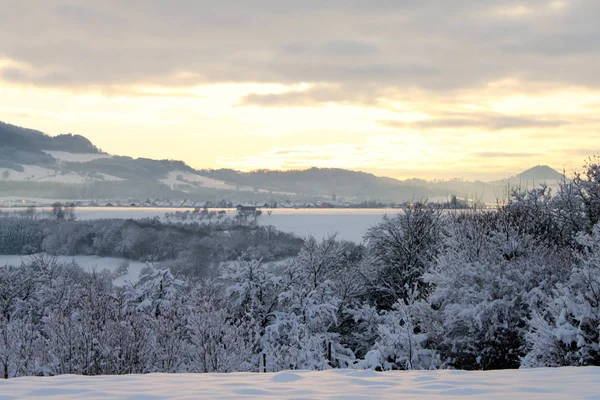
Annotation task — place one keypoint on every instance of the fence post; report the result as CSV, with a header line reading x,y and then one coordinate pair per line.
x,y
264,362
329,352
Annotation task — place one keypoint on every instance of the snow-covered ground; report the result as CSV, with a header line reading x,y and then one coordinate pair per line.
x,y
182,178
560,383
349,224
76,157
35,173
175,178
88,263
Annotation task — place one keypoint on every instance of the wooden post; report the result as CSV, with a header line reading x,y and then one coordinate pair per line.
x,y
265,362
329,352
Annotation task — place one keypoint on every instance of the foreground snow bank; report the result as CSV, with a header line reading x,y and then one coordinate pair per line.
x,y
560,383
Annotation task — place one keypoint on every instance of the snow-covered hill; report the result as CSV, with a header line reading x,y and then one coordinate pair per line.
x,y
30,159
183,180
560,383
35,173
65,156
177,179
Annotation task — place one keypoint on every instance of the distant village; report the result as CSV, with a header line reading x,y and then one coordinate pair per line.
x,y
450,202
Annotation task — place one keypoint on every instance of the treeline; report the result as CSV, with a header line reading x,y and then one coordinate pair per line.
x,y
191,248
320,181
515,287
23,140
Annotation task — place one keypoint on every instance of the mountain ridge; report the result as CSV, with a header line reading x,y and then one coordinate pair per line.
x,y
540,172
30,139
74,160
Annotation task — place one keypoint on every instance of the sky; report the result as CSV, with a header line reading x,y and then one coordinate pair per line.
x,y
434,89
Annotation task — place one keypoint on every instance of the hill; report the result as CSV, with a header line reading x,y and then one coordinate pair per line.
x,y
30,140
33,164
541,173
327,182
530,178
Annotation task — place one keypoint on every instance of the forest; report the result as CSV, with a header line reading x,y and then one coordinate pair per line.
x,y
515,287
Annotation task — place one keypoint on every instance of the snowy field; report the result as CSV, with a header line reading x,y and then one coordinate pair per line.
x,y
88,263
185,177
76,157
34,173
350,224
561,383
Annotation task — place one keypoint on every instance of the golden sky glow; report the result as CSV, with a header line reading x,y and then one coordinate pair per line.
x,y
479,90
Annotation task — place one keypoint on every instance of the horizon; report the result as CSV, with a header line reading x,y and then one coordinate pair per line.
x,y
366,171
392,89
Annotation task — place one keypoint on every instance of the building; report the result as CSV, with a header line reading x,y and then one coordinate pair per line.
x,y
246,208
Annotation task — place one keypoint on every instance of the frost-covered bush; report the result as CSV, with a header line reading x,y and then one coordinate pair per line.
x,y
400,344
485,283
401,249
567,331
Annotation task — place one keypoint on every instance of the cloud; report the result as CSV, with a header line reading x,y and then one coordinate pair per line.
x,y
376,150
334,47
583,152
388,84
494,122
500,154
432,45
316,95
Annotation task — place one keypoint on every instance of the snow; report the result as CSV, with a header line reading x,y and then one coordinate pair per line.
x,y
188,178
30,173
559,383
349,224
76,157
35,173
110,177
88,263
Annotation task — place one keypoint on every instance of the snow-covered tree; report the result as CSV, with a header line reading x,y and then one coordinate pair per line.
x,y
252,289
400,344
567,331
220,342
303,333
161,299
400,250
485,283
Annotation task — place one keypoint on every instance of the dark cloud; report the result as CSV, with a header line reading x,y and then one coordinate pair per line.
x,y
429,44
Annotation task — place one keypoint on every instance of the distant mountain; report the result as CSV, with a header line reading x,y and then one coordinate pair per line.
x,y
24,139
33,164
328,182
540,173
531,177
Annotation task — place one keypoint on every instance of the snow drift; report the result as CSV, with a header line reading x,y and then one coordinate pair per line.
x,y
560,383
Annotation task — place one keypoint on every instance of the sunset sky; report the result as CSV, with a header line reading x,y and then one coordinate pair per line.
x,y
477,89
